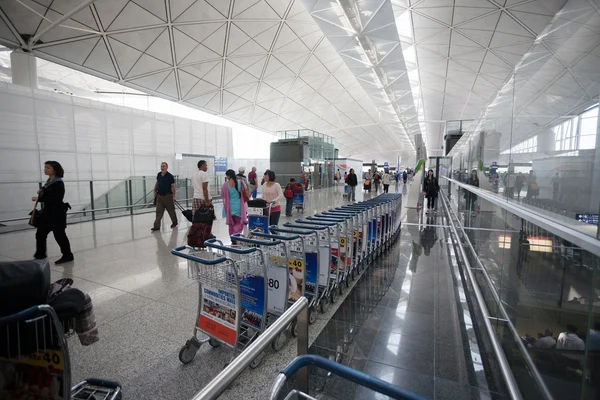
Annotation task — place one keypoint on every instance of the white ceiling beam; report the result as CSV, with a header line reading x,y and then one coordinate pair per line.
x,y
59,21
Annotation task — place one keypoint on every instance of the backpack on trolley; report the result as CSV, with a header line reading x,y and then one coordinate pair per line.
x,y
34,355
201,229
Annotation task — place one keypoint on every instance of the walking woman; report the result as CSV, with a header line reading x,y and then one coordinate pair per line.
x,y
471,198
272,193
431,189
234,207
53,217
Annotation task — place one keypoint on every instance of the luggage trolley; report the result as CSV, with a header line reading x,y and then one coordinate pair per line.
x,y
363,230
336,269
383,208
315,282
322,250
34,353
276,258
356,228
371,227
296,263
259,214
346,234
224,274
298,201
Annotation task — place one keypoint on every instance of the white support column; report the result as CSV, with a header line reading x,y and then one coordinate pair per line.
x,y
24,69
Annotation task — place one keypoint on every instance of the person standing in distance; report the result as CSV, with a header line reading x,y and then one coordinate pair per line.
x,y
53,218
200,182
164,193
252,182
386,181
352,181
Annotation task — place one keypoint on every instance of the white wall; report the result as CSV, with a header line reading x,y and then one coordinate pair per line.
x,y
92,140
346,164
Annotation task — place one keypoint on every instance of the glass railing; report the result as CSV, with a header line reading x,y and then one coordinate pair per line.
x,y
548,288
94,199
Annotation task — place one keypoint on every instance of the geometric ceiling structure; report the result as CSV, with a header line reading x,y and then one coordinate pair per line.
x,y
337,69
364,34
557,79
464,51
263,63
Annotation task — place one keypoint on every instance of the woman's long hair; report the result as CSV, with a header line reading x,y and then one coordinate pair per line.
x,y
231,175
59,172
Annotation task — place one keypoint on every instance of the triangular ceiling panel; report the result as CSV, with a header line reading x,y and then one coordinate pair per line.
x,y
200,11
184,45
99,60
75,52
125,56
201,87
259,10
134,16
254,65
221,6
157,49
156,7
145,65
108,11
151,81
200,32
186,82
139,40
463,14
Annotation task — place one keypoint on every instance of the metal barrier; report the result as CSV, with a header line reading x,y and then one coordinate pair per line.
x,y
533,215
298,310
509,379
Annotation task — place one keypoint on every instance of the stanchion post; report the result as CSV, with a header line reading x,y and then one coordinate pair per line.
x,y
303,348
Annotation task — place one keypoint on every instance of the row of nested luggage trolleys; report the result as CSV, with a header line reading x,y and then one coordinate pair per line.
x,y
246,286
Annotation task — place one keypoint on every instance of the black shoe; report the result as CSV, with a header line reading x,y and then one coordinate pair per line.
x,y
174,225
154,229
39,257
64,259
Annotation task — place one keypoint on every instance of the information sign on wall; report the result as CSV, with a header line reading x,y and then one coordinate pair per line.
x,y
220,164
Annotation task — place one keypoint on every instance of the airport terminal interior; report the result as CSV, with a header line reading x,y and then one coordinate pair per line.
x,y
424,175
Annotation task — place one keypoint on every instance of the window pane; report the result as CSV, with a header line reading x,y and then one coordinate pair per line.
x,y
591,113
587,142
589,126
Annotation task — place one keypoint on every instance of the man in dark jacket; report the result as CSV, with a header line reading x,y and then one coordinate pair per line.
x,y
352,181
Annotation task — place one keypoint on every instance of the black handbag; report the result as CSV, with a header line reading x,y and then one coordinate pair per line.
x,y
35,216
205,215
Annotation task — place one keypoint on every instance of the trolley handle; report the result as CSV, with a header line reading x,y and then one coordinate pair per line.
x,y
211,243
339,218
358,377
293,231
312,227
241,238
314,221
270,236
179,253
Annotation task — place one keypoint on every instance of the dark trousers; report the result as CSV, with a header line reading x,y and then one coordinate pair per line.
x,y
471,202
61,238
289,204
431,202
165,202
274,218
386,188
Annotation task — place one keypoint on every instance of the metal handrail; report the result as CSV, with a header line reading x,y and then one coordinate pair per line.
x,y
90,210
504,366
298,310
586,242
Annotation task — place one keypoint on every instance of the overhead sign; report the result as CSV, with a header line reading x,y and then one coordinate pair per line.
x,y
591,219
